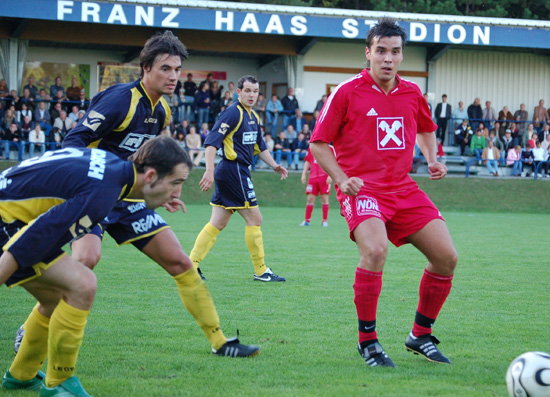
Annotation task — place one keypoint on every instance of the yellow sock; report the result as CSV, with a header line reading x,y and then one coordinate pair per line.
x,y
197,300
66,333
205,240
255,244
34,347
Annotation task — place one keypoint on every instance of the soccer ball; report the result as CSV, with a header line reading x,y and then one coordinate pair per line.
x,y
529,375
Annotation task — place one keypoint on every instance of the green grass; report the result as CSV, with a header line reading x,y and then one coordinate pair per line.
x,y
140,341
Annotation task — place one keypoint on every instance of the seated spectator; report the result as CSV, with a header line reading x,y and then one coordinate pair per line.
x,y
63,123
527,159
13,138
298,121
270,144
26,99
37,140
9,117
505,117
290,104
313,121
43,96
459,114
227,100
546,145
282,146
194,145
496,129
516,132
12,99
74,113
204,131
26,127
299,148
491,156
73,92
528,134
54,89
59,98
83,102
33,90
507,143
320,103
545,131
538,158
56,138
4,91
81,114
463,136
306,131
272,111
514,159
533,141
21,114
180,139
183,127
42,116
477,144
498,144
290,133
55,111
259,107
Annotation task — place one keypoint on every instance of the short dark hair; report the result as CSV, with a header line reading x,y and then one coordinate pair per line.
x,y
249,78
162,154
158,44
386,27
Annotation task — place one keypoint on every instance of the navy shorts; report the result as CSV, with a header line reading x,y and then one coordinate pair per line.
x,y
131,222
234,189
7,233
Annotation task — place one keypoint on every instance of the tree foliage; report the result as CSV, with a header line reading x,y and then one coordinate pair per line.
x,y
522,9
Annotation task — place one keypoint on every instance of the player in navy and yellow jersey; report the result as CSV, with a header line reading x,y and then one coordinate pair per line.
x,y
237,135
120,120
45,203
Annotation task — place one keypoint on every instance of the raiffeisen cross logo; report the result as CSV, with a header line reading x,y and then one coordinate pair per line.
x,y
390,133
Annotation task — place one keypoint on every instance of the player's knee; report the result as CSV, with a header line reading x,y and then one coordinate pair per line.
x,y
89,257
177,264
374,257
85,289
446,265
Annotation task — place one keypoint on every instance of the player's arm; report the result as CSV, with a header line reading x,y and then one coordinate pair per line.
x,y
304,172
428,146
278,168
326,159
208,177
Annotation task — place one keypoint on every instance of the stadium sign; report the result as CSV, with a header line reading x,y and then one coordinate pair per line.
x,y
171,17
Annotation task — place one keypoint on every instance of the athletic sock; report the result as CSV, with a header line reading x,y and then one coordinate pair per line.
x,y
434,289
205,240
367,289
325,208
197,300
255,244
309,211
34,347
65,338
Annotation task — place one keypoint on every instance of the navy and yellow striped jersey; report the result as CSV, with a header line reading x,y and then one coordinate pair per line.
x,y
238,134
119,120
59,196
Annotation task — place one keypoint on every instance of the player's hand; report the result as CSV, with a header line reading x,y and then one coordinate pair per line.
x,y
207,180
351,186
303,179
329,180
174,206
279,169
437,170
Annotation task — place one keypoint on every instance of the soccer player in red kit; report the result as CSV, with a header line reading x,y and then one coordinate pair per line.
x,y
373,120
318,184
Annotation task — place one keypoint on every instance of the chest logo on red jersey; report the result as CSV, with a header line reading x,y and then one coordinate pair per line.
x,y
390,133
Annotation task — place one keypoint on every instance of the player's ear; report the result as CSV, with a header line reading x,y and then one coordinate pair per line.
x,y
151,175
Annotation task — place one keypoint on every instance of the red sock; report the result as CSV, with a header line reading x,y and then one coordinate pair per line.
x,y
434,289
309,211
367,289
325,212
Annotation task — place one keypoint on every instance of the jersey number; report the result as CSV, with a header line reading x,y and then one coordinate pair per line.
x,y
52,156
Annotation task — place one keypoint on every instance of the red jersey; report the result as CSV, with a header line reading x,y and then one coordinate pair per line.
x,y
315,170
374,134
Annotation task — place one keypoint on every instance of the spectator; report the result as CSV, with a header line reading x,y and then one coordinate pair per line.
x,y
259,107
21,114
506,117
42,116
173,101
73,92
520,116
270,144
497,143
527,160
215,99
209,80
9,117
540,116
282,146
321,103
527,134
538,158
507,143
55,111
477,145
12,99
442,116
546,146
180,139
298,120
189,91
74,113
290,133
226,100
496,129
33,90
440,152
491,156
459,114
204,131
514,159
533,141
544,132
54,89
484,130
43,96
426,97
183,127
313,120
83,102
272,110
232,91
3,89
59,98
299,148
194,145
63,123
13,138
290,104
516,134
306,131
489,114
202,103
56,138
26,99
37,140
475,113
26,127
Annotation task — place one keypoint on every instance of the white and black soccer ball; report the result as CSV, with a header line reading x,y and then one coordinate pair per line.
x,y
529,375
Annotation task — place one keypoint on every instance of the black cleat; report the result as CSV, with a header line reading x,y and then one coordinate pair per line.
x,y
233,348
374,355
18,339
268,276
200,274
426,346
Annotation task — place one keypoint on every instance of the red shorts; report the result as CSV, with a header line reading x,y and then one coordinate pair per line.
x,y
318,186
404,213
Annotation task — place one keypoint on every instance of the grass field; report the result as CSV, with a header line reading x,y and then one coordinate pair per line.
x,y
140,341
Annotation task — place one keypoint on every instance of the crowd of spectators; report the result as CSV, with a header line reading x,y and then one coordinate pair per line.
x,y
498,137
37,120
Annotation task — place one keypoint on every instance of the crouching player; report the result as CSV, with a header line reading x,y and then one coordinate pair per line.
x,y
45,203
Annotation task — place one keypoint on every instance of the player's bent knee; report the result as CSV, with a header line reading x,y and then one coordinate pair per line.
x,y
177,264
89,257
